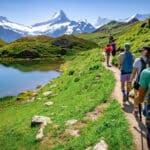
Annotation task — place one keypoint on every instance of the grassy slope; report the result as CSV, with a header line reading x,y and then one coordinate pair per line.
x,y
80,92
78,89
134,34
44,46
2,43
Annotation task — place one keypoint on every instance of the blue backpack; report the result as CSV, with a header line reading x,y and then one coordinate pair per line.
x,y
127,62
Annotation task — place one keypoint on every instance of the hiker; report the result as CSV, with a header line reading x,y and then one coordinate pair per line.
x,y
144,94
125,63
113,44
138,66
108,50
111,38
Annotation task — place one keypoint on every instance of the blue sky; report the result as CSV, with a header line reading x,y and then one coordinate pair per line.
x,y
29,12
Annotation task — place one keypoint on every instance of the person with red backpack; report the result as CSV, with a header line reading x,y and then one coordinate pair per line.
x,y
108,50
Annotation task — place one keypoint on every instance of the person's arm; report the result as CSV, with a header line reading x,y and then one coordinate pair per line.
x,y
134,71
119,61
143,89
141,96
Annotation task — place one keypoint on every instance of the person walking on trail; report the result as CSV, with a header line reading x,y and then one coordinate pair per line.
x,y
113,44
138,66
125,63
108,50
111,38
144,91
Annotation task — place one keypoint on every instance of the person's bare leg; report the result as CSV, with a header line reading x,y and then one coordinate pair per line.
x,y
128,89
123,90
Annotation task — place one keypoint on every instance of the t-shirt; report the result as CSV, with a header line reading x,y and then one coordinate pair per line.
x,y
145,81
138,65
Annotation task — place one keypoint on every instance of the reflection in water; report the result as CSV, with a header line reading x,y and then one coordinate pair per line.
x,y
18,77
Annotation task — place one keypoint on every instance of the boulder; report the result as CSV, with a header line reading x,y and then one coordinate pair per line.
x,y
40,120
48,103
43,121
47,93
101,146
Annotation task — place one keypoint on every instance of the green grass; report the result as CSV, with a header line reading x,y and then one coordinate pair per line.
x,y
78,89
114,131
2,43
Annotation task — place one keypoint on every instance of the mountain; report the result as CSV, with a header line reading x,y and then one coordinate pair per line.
x,y
136,17
115,25
102,21
139,17
10,31
58,25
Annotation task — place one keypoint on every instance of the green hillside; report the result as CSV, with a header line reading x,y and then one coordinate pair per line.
x,y
2,43
44,46
138,34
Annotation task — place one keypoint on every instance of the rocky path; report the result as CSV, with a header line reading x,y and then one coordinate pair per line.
x,y
136,126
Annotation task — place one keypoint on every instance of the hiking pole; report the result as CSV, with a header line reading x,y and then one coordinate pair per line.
x,y
148,132
140,111
140,115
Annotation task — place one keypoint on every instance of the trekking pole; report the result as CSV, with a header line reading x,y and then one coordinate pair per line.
x,y
148,132
140,111
140,114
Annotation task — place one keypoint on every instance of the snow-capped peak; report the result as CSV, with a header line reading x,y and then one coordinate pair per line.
x,y
101,21
60,15
139,17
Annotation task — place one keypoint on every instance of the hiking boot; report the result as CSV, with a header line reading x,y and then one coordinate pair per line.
x,y
124,99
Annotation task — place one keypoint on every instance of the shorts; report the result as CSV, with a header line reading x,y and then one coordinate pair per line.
x,y
125,77
107,54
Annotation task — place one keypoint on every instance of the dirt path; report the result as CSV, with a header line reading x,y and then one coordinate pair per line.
x,y
137,128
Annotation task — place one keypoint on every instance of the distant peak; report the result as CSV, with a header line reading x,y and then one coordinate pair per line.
x,y
3,18
61,13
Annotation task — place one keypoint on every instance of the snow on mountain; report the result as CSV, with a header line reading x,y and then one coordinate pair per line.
x,y
5,23
102,21
58,17
139,17
58,25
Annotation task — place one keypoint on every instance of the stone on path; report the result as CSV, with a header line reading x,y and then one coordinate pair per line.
x,y
43,121
47,93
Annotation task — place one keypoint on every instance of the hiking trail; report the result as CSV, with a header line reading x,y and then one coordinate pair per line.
x,y
137,127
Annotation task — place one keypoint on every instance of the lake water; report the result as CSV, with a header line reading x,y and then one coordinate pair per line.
x,y
18,77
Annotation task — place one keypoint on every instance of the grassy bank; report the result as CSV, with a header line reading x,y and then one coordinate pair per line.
x,y
83,85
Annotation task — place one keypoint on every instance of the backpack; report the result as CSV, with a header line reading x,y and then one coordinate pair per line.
x,y
127,62
136,83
